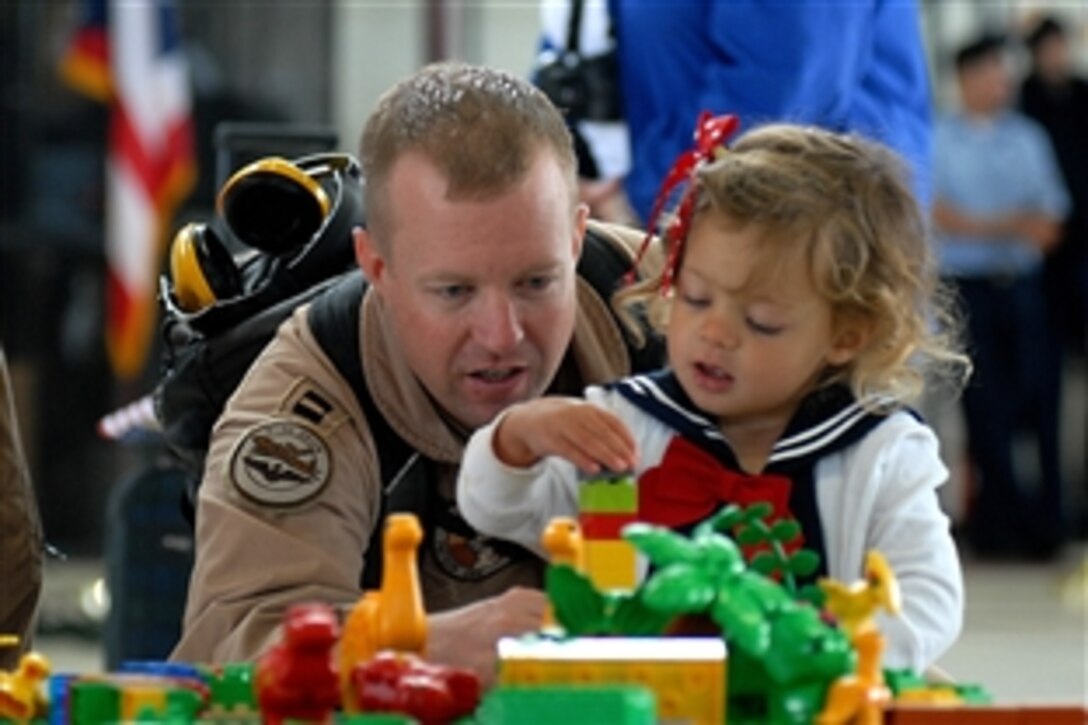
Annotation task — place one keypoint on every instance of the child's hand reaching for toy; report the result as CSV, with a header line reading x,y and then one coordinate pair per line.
x,y
591,438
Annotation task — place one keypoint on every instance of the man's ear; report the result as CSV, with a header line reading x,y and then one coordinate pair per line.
x,y
367,255
851,337
581,216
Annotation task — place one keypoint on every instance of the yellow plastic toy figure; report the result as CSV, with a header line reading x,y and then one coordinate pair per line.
x,y
391,618
564,544
20,691
861,698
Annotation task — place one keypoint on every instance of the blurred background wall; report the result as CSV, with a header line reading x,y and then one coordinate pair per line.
x,y
320,62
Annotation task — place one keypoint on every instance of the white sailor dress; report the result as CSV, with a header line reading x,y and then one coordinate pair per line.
x,y
698,472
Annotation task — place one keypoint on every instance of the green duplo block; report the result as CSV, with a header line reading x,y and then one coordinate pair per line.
x,y
608,496
569,705
95,702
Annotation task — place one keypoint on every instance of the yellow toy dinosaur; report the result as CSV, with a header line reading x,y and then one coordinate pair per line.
x,y
564,543
861,698
20,694
391,618
855,605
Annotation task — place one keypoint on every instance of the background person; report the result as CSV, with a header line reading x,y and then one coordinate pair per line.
x,y
998,209
858,66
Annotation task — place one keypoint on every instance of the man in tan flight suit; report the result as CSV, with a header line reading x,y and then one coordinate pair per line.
x,y
473,234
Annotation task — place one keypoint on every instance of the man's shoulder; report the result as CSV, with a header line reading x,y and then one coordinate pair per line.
x,y
292,361
624,239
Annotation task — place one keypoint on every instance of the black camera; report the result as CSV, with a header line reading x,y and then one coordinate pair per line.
x,y
585,89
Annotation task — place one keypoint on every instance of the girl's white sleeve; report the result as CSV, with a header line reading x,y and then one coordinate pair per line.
x,y
510,503
889,503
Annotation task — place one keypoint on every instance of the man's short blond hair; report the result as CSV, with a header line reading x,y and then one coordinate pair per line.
x,y
481,127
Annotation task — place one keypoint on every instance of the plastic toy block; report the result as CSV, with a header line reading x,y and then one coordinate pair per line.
x,y
232,687
1054,715
94,702
687,675
922,715
136,699
608,496
153,668
181,705
611,564
986,715
569,705
604,526
59,690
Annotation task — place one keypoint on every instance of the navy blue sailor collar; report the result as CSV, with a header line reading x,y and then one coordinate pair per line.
x,y
827,420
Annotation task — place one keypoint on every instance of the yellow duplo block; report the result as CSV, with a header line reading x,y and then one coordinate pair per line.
x,y
136,698
611,564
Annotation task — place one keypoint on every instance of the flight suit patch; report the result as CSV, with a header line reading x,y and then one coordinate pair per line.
x,y
461,552
280,464
313,407
466,559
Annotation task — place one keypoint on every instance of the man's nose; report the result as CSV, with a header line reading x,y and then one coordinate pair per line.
x,y
497,325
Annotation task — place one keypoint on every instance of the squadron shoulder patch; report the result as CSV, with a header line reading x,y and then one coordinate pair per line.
x,y
281,464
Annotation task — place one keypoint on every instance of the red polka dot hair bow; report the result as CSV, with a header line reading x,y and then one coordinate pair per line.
x,y
711,133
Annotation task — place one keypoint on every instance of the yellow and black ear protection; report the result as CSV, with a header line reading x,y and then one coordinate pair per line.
x,y
201,268
273,205
276,206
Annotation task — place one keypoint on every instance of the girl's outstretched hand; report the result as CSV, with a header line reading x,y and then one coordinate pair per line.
x,y
591,438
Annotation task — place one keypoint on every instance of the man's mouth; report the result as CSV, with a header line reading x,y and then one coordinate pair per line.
x,y
496,375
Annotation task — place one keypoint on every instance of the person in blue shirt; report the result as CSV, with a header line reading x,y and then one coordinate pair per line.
x,y
857,66
998,210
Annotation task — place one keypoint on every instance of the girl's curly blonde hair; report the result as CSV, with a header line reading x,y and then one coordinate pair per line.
x,y
843,203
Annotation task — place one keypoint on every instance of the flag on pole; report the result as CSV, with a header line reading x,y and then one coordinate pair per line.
x,y
128,53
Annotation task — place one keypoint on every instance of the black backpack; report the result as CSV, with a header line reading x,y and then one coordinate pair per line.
x,y
206,351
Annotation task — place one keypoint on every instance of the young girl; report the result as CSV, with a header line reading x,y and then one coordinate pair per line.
x,y
800,304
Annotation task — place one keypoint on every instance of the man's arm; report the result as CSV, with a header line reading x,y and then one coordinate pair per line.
x,y
285,510
253,562
468,636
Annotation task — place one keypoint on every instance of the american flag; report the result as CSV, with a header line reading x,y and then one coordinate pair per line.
x,y
128,53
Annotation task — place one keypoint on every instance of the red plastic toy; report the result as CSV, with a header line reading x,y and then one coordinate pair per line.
x,y
403,683
297,678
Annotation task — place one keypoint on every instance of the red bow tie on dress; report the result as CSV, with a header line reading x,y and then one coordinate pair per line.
x,y
690,484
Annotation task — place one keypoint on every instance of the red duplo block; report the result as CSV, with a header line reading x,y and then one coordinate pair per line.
x,y
604,526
